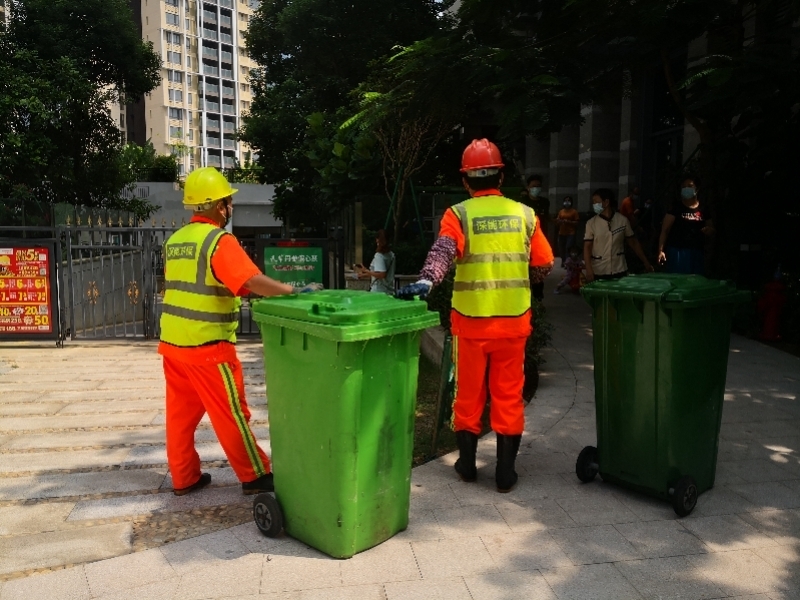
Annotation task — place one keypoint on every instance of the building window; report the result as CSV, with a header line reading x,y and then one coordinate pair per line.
x,y
174,57
245,105
175,95
188,43
245,88
174,76
191,135
172,3
176,113
188,62
173,19
191,118
188,25
188,79
175,132
173,38
245,71
243,52
190,98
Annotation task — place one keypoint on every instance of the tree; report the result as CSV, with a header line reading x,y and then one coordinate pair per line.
x,y
311,54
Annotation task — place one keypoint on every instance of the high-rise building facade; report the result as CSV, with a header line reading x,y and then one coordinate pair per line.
x,y
204,90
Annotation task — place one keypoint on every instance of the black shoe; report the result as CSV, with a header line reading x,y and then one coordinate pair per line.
x,y
262,484
505,476
467,447
204,480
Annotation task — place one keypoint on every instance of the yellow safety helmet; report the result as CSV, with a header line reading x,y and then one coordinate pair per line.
x,y
204,186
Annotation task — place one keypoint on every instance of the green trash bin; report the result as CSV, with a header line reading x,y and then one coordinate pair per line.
x,y
661,347
341,371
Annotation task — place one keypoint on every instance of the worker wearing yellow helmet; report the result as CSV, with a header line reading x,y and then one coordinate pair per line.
x,y
205,274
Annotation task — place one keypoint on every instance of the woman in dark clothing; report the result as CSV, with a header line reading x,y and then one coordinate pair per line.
x,y
681,246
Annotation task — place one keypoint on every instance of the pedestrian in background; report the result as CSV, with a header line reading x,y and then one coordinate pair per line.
x,y
532,196
381,269
681,247
567,220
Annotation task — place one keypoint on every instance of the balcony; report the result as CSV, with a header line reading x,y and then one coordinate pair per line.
x,y
209,34
227,73
227,57
208,70
225,38
212,125
228,92
228,128
209,16
228,144
230,163
210,106
212,89
213,161
209,52
225,21
228,109
226,3
212,142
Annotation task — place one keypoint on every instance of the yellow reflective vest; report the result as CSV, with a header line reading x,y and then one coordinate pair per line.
x,y
492,278
197,309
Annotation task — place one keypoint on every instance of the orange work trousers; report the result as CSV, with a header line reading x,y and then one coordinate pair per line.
x,y
216,389
504,359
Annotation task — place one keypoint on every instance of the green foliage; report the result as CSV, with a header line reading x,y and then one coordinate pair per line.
x,y
144,164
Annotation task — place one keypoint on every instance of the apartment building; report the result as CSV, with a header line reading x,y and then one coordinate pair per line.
x,y
204,90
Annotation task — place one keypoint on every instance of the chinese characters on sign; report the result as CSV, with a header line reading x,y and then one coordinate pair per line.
x,y
295,266
25,294
508,224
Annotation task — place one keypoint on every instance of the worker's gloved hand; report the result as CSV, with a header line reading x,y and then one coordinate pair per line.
x,y
421,289
310,287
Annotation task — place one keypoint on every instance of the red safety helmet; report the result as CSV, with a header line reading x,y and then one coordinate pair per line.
x,y
481,159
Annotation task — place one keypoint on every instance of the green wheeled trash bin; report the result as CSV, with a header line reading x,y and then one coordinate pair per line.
x,y
661,347
341,372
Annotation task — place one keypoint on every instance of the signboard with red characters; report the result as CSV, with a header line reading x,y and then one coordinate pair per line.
x,y
27,288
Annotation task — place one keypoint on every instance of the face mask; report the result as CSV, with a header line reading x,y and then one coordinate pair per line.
x,y
567,204
688,193
228,225
534,192
598,208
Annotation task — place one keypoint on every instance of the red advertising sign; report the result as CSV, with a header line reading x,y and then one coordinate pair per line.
x,y
26,294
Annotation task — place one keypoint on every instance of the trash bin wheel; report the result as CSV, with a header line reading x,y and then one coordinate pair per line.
x,y
684,496
268,515
587,467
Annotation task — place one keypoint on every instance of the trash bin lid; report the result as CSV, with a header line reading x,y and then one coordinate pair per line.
x,y
345,315
671,289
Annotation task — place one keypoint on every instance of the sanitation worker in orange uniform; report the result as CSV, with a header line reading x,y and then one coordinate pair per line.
x,y
206,272
499,250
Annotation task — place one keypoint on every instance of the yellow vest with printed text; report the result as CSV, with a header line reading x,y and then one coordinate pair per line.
x,y
197,308
492,278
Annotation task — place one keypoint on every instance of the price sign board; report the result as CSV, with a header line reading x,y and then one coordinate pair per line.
x,y
297,266
28,291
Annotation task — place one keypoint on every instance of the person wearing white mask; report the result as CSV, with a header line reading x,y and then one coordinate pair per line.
x,y
681,246
605,238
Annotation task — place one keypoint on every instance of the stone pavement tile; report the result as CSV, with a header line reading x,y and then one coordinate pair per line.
x,y
157,455
47,386
45,516
161,590
546,464
771,494
115,406
590,582
525,551
757,471
203,551
661,539
441,589
129,506
597,511
786,559
39,408
739,572
391,561
727,532
51,549
256,542
51,461
781,525
64,584
358,592
301,569
79,484
530,585
431,475
444,559
470,521
535,515
422,525
128,571
721,501
423,499
668,579
12,424
645,507
82,439
236,578
586,545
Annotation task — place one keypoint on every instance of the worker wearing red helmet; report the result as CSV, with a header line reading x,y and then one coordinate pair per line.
x,y
498,250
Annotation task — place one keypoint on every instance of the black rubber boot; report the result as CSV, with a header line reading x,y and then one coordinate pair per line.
x,y
505,476
467,447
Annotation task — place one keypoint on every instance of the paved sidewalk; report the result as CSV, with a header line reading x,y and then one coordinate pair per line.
x,y
83,481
